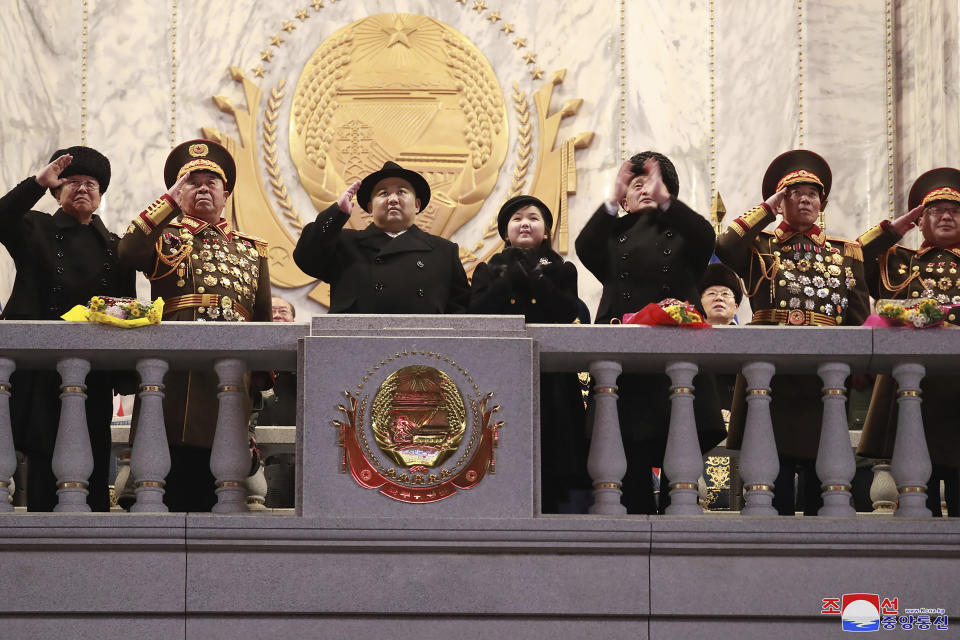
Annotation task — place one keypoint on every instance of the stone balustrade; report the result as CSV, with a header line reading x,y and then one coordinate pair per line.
x,y
605,351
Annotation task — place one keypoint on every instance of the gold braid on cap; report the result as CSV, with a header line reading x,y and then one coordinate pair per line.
x,y
201,164
941,193
795,177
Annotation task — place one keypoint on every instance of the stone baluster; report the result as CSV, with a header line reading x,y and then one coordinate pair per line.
x,y
72,454
256,490
883,490
759,463
8,456
230,457
911,460
682,462
835,462
607,462
150,456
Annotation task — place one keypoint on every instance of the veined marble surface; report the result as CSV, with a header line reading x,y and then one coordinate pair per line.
x,y
667,47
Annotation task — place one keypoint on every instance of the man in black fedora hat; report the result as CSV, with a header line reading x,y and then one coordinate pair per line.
x,y
61,260
391,266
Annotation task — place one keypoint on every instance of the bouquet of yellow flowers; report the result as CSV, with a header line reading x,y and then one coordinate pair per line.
x,y
117,312
920,313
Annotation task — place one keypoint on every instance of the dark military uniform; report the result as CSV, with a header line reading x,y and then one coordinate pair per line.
x,y
896,272
60,263
203,272
799,279
644,257
370,272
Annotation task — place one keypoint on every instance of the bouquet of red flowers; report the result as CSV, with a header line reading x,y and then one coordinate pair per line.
x,y
668,312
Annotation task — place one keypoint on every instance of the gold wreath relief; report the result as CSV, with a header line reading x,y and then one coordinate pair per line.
x,y
399,87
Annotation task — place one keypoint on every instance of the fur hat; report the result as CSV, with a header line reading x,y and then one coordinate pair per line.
x,y
86,162
720,275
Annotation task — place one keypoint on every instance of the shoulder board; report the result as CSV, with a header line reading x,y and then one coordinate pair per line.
x,y
261,244
249,236
850,249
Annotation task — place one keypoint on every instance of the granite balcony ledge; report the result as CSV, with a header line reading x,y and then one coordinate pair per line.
x,y
261,345
718,349
938,350
562,347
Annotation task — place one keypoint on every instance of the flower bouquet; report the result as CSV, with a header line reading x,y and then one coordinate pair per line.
x,y
118,312
668,312
920,314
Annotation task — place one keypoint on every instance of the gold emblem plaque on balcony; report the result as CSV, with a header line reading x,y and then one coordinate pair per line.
x,y
426,435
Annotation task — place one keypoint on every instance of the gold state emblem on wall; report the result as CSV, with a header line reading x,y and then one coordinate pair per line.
x,y
401,87
419,437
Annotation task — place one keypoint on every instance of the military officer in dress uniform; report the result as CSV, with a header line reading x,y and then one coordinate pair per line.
x,y
795,275
61,261
391,266
932,271
204,271
658,249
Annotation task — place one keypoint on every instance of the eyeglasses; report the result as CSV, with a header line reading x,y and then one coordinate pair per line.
x,y
726,295
89,185
942,211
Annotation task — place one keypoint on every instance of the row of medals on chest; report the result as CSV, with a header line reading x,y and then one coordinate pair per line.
x,y
814,277
243,268
936,280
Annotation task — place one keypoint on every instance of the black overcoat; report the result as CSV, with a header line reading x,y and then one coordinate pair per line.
x,y
644,257
59,263
370,272
538,284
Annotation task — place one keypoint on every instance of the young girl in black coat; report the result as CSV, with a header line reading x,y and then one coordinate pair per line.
x,y
528,278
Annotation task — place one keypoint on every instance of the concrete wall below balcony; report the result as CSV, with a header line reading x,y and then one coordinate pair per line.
x,y
211,577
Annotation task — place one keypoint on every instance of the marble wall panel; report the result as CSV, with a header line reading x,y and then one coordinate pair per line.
x,y
40,103
845,108
668,107
928,109
756,88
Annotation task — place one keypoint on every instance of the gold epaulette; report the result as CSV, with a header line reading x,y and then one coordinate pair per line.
x,y
262,245
154,215
870,235
850,249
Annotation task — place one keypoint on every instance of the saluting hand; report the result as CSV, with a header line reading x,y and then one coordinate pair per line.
x,y
49,176
776,200
175,191
346,200
907,221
